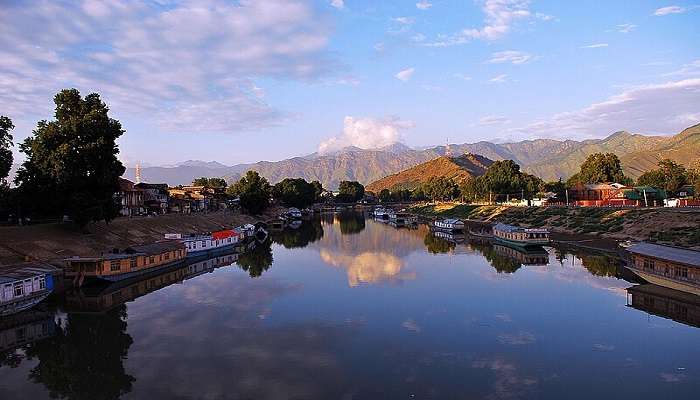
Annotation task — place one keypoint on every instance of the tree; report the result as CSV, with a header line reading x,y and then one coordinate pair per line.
x,y
694,177
669,176
600,168
295,192
6,127
253,192
350,192
441,188
318,190
214,183
71,165
384,195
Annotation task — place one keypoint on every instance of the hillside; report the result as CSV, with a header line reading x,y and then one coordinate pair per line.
x,y
459,169
547,158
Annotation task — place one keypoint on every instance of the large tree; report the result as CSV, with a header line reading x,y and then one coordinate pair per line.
x,y
669,176
295,192
253,191
600,168
71,164
504,179
6,127
214,183
350,192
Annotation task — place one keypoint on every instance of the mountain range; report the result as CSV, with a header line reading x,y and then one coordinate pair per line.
x,y
547,158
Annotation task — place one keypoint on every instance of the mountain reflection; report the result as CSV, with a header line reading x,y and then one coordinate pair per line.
x,y
84,360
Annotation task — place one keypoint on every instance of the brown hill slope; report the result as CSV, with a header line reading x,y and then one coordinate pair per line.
x,y
459,169
683,148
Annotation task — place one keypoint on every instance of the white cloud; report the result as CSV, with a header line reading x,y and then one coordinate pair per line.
x,y
500,16
595,46
663,108
544,17
423,5
510,56
405,74
144,59
669,10
366,133
463,77
404,20
418,37
493,120
339,4
626,28
690,69
502,78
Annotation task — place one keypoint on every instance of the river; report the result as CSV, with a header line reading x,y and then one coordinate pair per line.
x,y
345,307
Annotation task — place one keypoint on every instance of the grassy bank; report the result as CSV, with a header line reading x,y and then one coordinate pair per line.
x,y
53,242
668,225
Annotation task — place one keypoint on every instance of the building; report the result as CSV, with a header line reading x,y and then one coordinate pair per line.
x,y
155,196
130,198
673,267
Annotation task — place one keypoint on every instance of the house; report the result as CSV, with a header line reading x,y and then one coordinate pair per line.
x,y
155,196
591,192
130,198
686,191
646,195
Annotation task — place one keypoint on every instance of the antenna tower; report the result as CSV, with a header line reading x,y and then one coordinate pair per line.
x,y
138,172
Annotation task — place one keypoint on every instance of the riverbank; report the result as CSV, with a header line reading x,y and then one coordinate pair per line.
x,y
662,225
52,243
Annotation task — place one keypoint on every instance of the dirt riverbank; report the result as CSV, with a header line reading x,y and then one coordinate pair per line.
x,y
54,242
680,227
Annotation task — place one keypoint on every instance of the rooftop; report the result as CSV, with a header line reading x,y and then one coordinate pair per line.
x,y
675,254
16,272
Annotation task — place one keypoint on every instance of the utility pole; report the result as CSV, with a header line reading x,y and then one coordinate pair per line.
x,y
646,203
567,197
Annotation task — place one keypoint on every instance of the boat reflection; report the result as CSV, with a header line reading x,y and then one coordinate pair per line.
x,y
99,298
667,303
437,243
508,259
22,329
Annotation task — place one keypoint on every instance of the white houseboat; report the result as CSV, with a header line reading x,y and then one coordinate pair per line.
x,y
520,236
400,218
293,213
380,213
214,242
673,267
22,286
448,225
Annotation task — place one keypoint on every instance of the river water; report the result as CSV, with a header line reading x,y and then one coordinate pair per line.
x,y
345,307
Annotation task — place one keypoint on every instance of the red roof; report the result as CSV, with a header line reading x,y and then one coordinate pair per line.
x,y
223,234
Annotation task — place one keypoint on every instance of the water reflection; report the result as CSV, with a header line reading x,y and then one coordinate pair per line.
x,y
257,260
436,244
667,303
85,359
310,231
19,330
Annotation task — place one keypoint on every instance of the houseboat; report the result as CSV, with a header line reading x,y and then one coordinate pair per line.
x,y
293,213
448,225
673,267
668,303
380,213
519,236
129,263
401,218
532,255
457,238
22,286
211,243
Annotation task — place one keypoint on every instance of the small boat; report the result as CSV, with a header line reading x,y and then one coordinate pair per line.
x,y
22,286
293,213
380,213
401,218
519,236
448,225
215,242
131,262
669,266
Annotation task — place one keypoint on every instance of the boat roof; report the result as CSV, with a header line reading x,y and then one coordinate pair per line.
x,y
450,221
17,272
670,253
155,248
507,228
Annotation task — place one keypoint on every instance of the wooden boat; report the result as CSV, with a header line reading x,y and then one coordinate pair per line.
x,y
22,286
672,267
215,242
448,225
130,262
519,236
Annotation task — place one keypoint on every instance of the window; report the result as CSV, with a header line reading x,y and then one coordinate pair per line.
x,y
132,263
151,260
42,283
681,272
648,264
167,256
19,289
115,265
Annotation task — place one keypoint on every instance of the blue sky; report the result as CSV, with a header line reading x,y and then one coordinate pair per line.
x,y
265,80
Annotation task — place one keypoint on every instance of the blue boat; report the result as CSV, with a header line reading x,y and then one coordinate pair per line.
x,y
22,286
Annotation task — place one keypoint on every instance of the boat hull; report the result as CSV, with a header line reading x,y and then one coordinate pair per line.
x,y
521,244
211,252
140,273
665,282
24,303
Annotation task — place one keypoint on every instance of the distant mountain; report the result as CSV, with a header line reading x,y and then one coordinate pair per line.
x,y
202,164
547,158
459,169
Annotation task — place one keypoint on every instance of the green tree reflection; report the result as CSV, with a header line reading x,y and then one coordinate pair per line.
x,y
501,263
84,360
351,222
437,245
256,261
309,232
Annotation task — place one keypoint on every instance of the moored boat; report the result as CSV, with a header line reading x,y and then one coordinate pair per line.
x,y
520,236
673,267
293,213
132,261
448,225
22,286
380,213
214,242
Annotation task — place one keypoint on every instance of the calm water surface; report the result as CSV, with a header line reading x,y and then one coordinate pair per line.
x,y
348,308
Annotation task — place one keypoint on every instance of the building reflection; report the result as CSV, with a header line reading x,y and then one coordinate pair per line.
x,y
667,303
